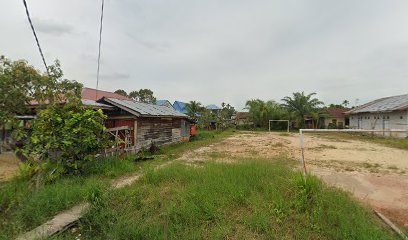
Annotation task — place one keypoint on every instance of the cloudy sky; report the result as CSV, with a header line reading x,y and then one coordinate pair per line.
x,y
220,51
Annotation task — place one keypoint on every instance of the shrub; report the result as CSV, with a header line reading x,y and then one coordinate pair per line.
x,y
63,138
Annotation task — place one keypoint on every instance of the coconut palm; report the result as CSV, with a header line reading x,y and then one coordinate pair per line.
x,y
193,109
301,105
261,112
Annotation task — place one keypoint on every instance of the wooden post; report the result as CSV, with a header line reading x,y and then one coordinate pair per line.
x,y
135,134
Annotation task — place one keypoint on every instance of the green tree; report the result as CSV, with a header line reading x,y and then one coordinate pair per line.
x,y
64,138
143,95
346,103
261,112
21,84
301,105
121,92
194,109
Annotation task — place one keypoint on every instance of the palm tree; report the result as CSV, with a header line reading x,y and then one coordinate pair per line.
x,y
261,112
346,103
301,105
193,109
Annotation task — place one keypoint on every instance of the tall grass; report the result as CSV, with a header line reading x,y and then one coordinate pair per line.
x,y
254,199
23,208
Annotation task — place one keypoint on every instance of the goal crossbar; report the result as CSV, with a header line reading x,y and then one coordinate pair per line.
x,y
278,121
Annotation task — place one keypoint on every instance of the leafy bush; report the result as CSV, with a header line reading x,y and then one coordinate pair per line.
x,y
63,138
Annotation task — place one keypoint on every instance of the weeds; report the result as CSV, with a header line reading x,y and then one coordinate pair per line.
x,y
250,199
22,209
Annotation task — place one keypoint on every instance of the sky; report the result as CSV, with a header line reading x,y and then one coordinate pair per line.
x,y
217,51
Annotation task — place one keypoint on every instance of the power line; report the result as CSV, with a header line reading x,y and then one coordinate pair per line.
x,y
99,51
35,36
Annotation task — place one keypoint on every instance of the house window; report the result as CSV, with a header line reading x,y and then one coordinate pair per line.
x,y
388,117
368,117
401,117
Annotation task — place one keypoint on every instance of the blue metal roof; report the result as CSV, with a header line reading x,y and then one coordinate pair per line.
x,y
213,107
180,106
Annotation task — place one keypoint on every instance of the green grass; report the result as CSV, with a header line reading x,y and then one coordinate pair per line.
x,y
400,143
22,208
253,199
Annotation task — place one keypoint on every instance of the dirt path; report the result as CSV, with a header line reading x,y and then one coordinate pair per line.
x,y
374,174
8,165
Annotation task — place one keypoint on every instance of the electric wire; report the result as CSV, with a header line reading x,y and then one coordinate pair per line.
x,y
35,36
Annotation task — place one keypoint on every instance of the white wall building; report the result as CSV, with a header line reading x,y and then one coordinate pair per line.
x,y
384,113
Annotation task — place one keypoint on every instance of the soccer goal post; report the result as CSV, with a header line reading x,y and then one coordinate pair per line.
x,y
270,121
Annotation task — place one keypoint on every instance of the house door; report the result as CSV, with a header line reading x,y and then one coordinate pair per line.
x,y
359,123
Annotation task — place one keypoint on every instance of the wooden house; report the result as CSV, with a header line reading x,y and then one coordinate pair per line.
x,y
145,124
138,124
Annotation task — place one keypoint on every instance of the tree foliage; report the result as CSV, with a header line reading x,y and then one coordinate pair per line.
x,y
21,84
260,112
68,136
301,105
194,109
121,92
143,95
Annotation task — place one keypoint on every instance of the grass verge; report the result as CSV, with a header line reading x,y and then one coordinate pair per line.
x,y
252,199
22,208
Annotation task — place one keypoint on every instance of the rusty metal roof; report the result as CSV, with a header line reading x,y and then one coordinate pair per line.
x,y
144,109
388,104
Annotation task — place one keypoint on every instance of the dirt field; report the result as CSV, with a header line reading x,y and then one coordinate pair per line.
x,y
8,165
374,174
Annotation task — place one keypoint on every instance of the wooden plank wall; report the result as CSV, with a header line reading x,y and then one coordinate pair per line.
x,y
161,131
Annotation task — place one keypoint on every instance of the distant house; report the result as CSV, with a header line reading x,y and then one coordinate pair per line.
x,y
336,118
213,107
145,124
242,118
384,113
165,103
180,107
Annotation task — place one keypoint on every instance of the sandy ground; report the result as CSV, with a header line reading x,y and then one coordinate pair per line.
x,y
8,165
375,174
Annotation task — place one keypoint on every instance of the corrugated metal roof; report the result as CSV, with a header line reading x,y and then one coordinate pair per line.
x,y
337,112
213,107
161,102
180,106
144,109
387,104
93,103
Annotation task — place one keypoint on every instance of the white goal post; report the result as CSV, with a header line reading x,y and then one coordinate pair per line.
x,y
278,121
302,147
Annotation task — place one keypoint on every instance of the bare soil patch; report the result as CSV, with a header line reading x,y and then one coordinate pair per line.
x,y
8,165
375,174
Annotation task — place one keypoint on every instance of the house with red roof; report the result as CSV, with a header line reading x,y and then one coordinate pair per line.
x,y
336,118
